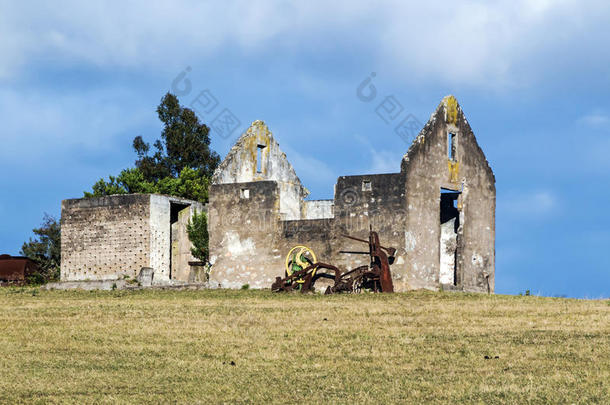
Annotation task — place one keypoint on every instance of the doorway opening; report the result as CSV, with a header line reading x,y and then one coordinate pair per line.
x,y
449,224
177,230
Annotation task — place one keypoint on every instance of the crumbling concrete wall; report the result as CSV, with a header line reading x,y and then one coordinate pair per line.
x,y
428,167
256,156
254,220
160,234
181,246
244,221
363,201
111,237
318,209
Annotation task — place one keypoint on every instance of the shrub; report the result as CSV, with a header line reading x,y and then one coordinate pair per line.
x,y
197,230
45,250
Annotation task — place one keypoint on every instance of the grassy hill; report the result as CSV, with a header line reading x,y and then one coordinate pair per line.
x,y
256,346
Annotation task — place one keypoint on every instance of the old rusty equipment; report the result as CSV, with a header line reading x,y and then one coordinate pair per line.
x,y
303,270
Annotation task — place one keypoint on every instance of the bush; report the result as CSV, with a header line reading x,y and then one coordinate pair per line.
x,y
197,230
44,250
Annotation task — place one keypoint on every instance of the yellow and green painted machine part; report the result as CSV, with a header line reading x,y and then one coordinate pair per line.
x,y
299,258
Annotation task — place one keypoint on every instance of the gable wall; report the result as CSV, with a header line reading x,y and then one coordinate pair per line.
x,y
427,168
240,166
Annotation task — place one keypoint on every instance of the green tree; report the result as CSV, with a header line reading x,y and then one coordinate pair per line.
x,y
189,184
129,181
185,142
181,165
197,230
45,250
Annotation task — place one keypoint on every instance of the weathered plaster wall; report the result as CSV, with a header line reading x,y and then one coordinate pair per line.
x,y
160,237
448,251
318,209
316,234
244,222
181,246
250,235
427,168
478,206
104,238
370,200
256,156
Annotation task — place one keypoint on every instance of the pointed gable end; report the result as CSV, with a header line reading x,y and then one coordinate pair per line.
x,y
256,156
448,130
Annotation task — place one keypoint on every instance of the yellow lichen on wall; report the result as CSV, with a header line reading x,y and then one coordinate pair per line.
x,y
454,168
451,109
261,137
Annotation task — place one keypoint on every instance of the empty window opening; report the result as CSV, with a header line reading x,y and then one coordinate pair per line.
x,y
449,224
366,185
244,193
259,158
452,145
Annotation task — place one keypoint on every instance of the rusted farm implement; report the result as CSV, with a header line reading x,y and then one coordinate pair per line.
x,y
303,270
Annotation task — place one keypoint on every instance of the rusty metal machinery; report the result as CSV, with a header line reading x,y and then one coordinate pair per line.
x,y
303,270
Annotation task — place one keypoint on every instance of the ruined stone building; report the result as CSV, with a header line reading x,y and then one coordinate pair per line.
x,y
114,237
438,211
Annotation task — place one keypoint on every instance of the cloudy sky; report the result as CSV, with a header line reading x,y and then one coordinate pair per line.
x,y
79,80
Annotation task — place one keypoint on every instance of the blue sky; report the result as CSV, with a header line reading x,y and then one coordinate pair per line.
x,y
78,81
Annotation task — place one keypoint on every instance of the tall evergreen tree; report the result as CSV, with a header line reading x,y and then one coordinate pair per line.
x,y
185,142
182,162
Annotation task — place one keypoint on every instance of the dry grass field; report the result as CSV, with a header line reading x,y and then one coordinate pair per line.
x,y
259,347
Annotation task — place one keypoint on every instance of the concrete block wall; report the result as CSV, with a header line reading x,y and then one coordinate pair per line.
x,y
111,237
105,238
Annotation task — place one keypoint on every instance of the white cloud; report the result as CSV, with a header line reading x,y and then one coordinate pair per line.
x,y
457,42
382,160
532,204
314,173
385,161
595,119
